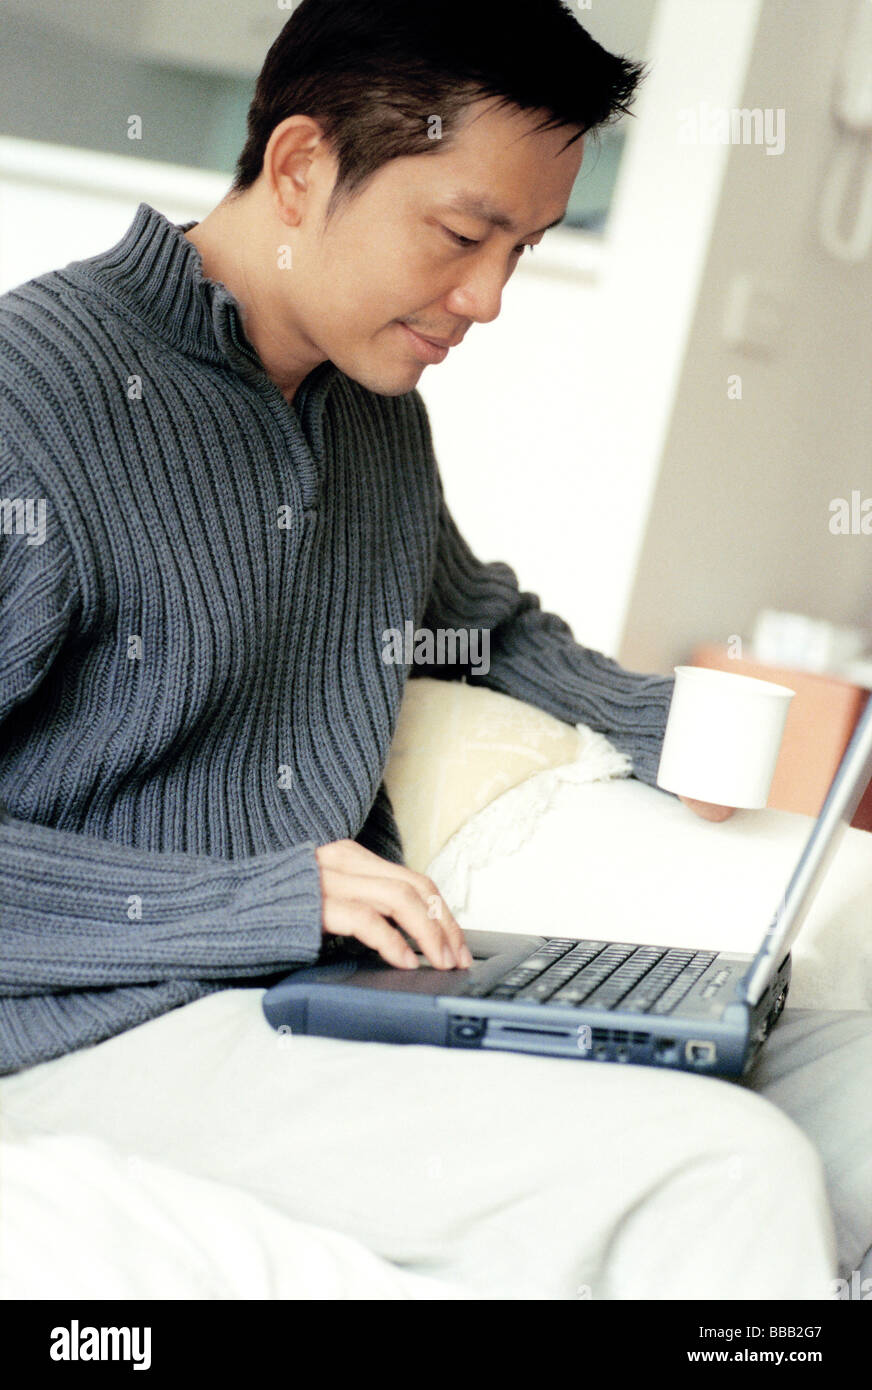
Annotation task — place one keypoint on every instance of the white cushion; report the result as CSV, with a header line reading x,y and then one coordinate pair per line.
x,y
455,749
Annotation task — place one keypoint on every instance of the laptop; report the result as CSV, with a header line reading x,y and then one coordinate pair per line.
x,y
708,1012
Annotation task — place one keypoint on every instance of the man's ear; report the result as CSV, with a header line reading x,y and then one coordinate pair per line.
x,y
287,165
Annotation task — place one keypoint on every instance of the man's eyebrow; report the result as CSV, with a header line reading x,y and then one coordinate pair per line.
x,y
474,205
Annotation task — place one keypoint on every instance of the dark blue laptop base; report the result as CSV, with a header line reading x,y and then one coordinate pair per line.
x,y
356,995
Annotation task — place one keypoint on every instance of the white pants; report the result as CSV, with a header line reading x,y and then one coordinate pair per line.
x,y
496,1174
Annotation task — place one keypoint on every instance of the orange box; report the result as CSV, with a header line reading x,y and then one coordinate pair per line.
x,y
820,721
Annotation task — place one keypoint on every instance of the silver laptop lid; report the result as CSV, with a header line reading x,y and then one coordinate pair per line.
x,y
850,782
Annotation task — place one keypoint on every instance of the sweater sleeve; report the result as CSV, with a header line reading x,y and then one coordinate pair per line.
x,y
79,912
532,654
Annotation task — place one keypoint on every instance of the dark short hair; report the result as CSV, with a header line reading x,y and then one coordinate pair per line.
x,y
373,73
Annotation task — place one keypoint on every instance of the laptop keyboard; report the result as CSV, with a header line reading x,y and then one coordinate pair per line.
x,y
601,974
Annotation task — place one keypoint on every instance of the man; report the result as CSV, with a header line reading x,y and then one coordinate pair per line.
x,y
240,498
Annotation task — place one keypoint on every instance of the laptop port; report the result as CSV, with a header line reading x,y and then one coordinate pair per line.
x,y
700,1052
465,1031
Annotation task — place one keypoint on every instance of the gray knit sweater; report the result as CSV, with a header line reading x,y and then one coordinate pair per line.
x,y
195,581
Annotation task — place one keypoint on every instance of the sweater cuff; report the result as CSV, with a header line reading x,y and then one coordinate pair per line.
x,y
643,743
285,894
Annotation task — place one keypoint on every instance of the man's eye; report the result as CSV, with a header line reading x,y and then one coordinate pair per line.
x,y
461,240
466,241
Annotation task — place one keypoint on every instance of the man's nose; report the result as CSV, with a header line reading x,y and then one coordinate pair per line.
x,y
478,295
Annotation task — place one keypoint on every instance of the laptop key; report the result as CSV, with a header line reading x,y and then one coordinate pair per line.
x,y
641,994
545,986
539,991
560,963
649,990
606,974
540,960
476,989
685,982
519,977
590,975
624,978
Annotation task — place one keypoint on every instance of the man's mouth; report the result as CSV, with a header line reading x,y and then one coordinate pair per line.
x,y
428,350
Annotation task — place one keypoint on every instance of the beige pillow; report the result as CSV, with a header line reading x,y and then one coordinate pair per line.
x,y
456,748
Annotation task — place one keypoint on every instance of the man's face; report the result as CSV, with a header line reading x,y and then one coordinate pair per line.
x,y
412,248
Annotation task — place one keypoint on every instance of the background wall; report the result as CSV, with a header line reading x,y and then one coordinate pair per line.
x,y
740,515
74,75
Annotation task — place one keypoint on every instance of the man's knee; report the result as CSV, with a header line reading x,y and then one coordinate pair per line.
x,y
769,1152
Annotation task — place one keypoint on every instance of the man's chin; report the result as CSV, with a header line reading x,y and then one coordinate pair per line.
x,y
394,380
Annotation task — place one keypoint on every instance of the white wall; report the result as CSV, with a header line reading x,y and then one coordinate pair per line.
x,y
740,515
59,205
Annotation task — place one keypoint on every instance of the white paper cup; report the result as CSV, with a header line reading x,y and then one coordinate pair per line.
x,y
723,736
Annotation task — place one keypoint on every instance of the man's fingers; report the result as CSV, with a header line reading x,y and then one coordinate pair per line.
x,y
350,857
708,810
438,909
355,919
398,899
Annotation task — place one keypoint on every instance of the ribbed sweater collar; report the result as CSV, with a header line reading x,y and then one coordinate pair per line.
x,y
157,274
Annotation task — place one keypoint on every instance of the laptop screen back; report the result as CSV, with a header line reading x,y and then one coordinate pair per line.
x,y
850,782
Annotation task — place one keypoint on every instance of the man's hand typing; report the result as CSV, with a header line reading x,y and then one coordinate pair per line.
x,y
363,895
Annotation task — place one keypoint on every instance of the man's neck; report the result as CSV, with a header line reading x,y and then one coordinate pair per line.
x,y
232,253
